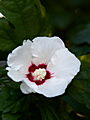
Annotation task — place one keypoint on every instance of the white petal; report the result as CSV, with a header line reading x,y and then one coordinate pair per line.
x,y
1,15
26,89
44,47
32,85
52,87
64,65
21,57
17,76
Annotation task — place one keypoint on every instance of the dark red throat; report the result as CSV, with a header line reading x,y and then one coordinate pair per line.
x,y
32,68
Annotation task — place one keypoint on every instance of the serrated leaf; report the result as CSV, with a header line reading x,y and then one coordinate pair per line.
x,y
26,16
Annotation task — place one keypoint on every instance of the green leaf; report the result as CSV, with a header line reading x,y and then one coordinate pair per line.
x,y
79,89
81,36
2,72
8,116
7,42
77,107
47,112
10,96
26,16
80,50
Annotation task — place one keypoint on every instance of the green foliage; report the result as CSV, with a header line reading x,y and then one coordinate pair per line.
x,y
7,116
23,15
48,113
23,20
82,36
78,93
6,36
81,85
26,19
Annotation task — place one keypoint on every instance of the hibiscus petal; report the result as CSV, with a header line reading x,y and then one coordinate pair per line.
x,y
1,15
64,65
21,57
26,89
17,76
32,85
52,87
44,47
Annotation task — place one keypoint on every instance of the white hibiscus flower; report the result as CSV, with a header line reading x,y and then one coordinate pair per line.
x,y
44,66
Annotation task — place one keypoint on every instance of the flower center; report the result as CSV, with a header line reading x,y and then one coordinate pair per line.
x,y
39,74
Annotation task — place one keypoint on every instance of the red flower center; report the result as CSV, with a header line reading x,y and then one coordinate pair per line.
x,y
38,74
